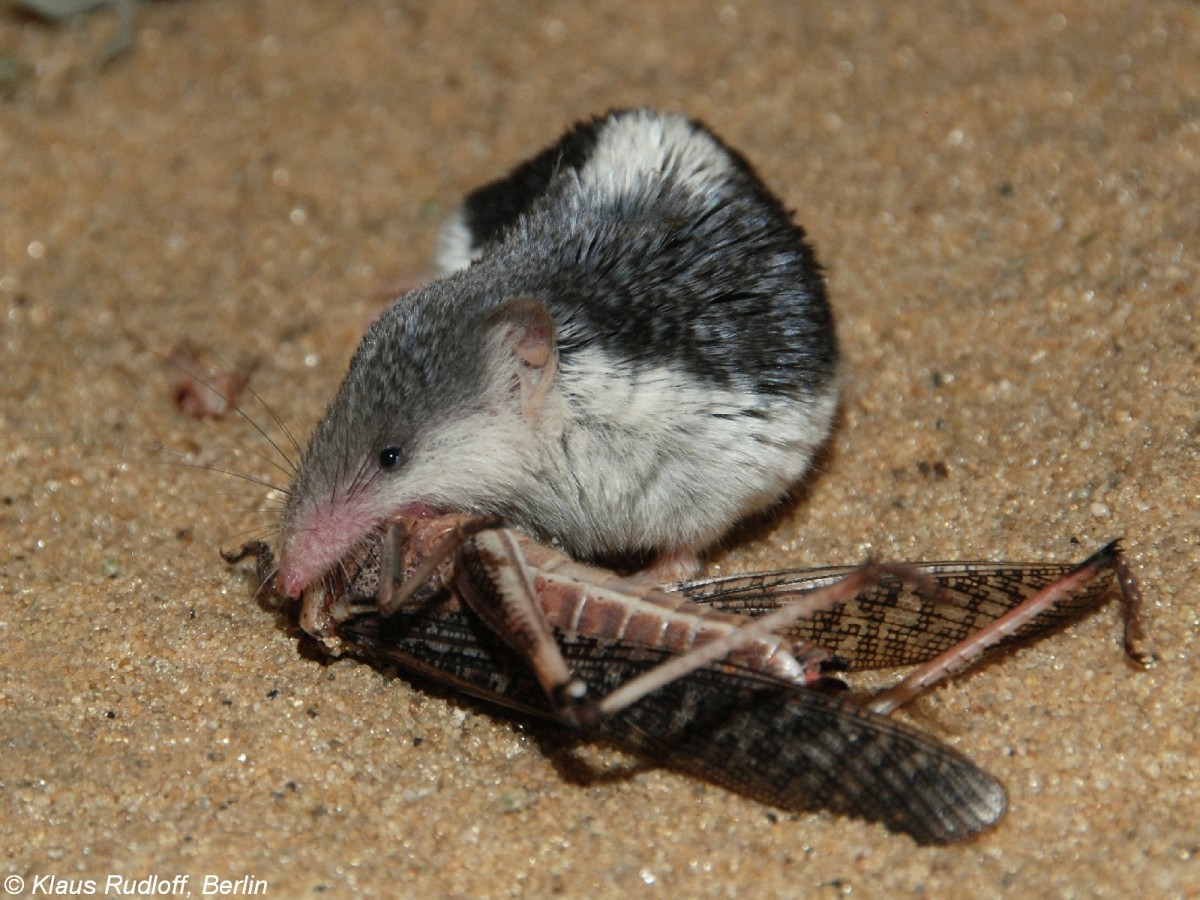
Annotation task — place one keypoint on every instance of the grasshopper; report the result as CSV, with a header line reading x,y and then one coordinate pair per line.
x,y
732,679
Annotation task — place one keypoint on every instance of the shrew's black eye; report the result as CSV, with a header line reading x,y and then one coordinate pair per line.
x,y
389,458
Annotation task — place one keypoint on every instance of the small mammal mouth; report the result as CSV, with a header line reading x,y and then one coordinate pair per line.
x,y
344,590
352,588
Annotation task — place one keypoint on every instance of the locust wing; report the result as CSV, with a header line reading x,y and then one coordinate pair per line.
x,y
890,623
797,749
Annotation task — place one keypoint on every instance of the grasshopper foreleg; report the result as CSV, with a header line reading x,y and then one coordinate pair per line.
x,y
490,574
264,560
393,591
496,581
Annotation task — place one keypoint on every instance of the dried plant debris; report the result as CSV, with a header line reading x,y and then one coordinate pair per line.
x,y
203,389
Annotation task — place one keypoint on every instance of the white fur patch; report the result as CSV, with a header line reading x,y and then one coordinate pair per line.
x,y
674,462
636,149
455,248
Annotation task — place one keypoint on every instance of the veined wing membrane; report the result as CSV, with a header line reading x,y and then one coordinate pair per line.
x,y
890,623
797,749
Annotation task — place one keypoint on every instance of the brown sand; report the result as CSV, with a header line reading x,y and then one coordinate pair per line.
x,y
1007,198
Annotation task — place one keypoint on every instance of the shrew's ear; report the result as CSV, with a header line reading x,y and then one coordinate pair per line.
x,y
526,332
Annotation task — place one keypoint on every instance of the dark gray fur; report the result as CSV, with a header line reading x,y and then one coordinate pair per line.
x,y
723,285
